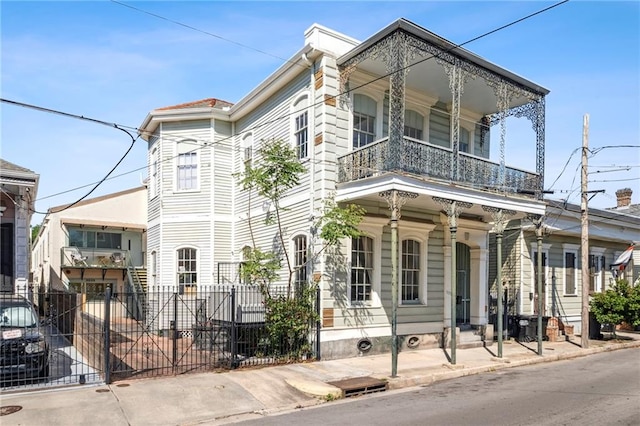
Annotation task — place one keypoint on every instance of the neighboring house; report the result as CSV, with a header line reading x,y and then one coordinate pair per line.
x,y
93,244
610,234
19,188
406,125
624,206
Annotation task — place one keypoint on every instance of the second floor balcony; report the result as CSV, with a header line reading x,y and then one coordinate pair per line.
x,y
77,257
422,159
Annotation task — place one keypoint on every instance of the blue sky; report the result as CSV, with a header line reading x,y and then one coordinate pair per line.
x,y
106,61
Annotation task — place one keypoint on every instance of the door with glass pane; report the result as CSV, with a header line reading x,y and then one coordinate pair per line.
x,y
463,284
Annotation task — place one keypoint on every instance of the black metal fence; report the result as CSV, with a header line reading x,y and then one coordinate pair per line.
x,y
173,330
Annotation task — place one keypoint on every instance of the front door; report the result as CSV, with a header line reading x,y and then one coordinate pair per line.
x,y
463,285
535,282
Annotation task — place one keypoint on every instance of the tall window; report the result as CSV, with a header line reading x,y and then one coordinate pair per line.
x,y
361,269
463,142
570,275
410,271
247,150
154,172
301,130
154,268
300,261
413,124
187,165
596,273
187,171
187,267
364,120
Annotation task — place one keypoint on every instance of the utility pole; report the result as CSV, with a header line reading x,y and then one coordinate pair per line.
x,y
584,334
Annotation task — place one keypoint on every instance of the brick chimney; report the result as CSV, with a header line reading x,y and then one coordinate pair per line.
x,y
624,197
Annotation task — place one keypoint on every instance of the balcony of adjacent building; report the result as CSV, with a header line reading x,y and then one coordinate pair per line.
x,y
94,258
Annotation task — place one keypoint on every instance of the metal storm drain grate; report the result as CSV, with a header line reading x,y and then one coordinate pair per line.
x,y
9,409
360,385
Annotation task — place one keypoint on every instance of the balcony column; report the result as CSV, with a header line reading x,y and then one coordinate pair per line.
x,y
539,129
500,219
457,78
452,209
396,199
396,61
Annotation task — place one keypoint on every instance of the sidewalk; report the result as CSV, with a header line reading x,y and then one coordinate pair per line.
x,y
218,398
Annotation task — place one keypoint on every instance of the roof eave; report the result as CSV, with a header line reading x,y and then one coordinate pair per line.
x,y
446,45
275,80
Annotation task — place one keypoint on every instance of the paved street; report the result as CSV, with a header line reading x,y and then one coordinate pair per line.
x,y
602,389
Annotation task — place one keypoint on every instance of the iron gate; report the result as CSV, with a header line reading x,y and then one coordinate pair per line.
x,y
93,337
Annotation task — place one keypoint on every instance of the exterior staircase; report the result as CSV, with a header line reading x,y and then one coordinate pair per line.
x,y
138,280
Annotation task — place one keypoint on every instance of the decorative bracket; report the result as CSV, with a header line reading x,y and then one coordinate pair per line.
x,y
453,209
500,217
396,199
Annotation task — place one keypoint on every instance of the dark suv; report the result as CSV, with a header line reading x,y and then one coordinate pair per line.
x,y
24,352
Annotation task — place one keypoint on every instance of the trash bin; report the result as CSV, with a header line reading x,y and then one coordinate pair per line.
x,y
595,328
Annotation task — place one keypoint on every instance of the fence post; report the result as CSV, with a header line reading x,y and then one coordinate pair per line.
x,y
318,323
233,328
107,335
174,330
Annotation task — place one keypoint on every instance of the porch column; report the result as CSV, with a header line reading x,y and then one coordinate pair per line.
x,y
540,130
479,292
500,219
397,68
538,222
396,199
453,209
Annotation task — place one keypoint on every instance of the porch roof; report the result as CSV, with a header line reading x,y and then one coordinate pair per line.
x,y
452,48
103,224
370,188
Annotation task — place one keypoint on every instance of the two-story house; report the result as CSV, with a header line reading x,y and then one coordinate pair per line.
x,y
19,187
405,124
93,244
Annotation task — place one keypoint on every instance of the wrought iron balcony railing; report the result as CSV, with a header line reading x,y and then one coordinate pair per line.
x,y
431,161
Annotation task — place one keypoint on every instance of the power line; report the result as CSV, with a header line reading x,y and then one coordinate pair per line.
x,y
616,180
155,15
269,122
79,117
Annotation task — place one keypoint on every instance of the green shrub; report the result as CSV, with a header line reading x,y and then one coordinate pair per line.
x,y
617,305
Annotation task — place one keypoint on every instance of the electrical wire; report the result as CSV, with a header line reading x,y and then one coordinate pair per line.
x,y
78,117
275,120
155,15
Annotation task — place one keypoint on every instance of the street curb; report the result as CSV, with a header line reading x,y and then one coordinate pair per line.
x,y
400,383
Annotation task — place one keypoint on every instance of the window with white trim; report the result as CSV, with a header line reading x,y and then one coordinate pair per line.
x,y
154,173
410,276
300,261
187,267
361,269
570,273
187,166
597,273
413,124
301,127
463,142
364,120
154,268
247,150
